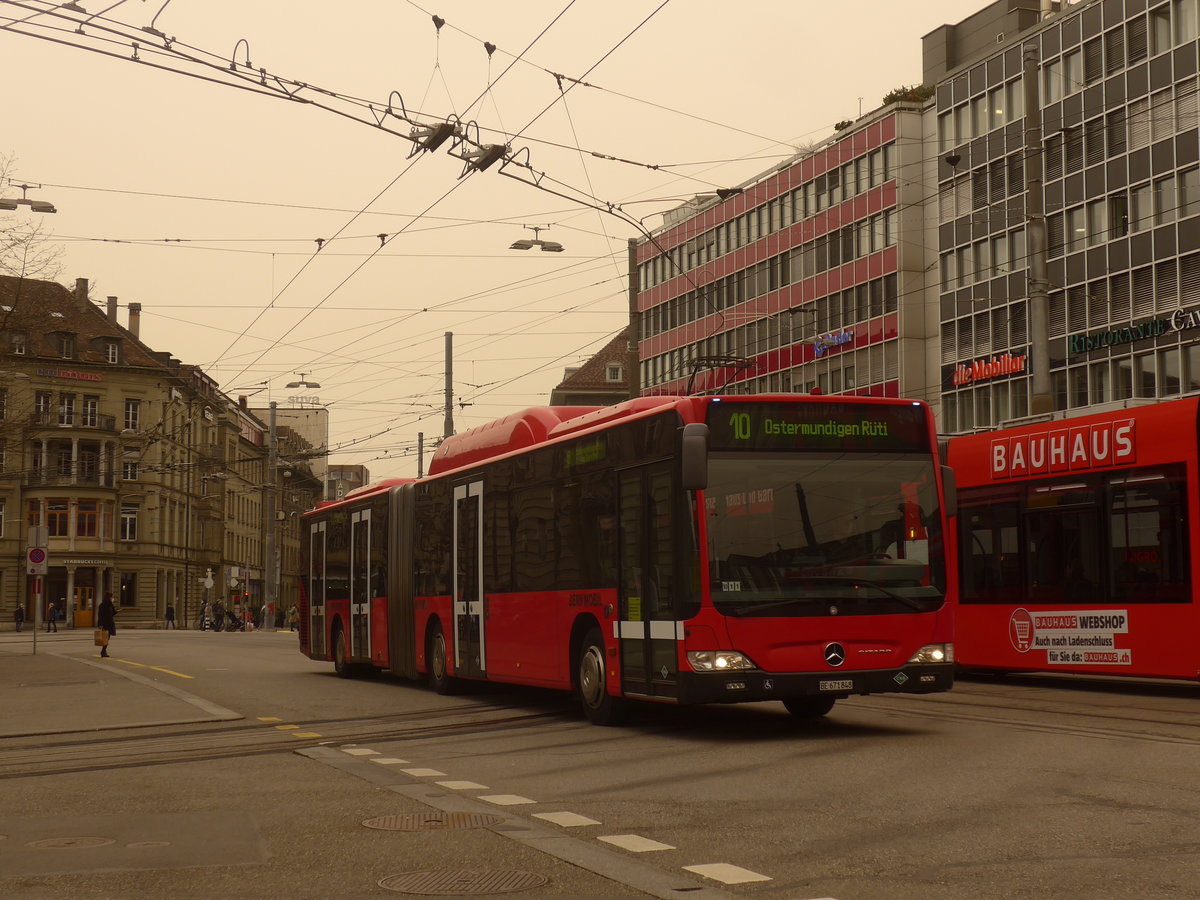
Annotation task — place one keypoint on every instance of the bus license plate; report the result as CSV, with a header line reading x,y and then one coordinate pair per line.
x,y
836,685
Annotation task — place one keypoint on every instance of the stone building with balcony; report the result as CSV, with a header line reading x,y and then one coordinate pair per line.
x,y
111,446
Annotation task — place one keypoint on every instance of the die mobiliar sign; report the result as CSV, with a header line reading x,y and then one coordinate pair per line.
x,y
993,367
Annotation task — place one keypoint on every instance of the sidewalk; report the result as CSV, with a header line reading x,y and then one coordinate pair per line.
x,y
50,693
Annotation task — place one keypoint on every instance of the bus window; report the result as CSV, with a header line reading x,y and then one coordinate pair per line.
x,y
1064,555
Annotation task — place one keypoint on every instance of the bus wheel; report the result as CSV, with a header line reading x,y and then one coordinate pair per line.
x,y
436,657
340,666
809,707
601,707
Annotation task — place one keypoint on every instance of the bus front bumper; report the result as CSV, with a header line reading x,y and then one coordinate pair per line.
x,y
754,685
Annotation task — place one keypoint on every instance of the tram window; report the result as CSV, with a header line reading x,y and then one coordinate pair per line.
x,y
1147,527
1064,555
990,558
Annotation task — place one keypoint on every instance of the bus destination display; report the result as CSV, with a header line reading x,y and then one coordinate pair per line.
x,y
817,426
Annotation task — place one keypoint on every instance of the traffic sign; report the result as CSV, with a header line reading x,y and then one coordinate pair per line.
x,y
36,557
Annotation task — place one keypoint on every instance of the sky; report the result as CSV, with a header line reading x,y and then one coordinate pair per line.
x,y
267,237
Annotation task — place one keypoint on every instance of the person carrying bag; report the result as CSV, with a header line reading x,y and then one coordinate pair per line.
x,y
106,618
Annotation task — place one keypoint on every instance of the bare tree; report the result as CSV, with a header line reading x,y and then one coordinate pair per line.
x,y
26,250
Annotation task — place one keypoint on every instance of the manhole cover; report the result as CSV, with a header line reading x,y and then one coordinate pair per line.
x,y
432,821
70,843
463,881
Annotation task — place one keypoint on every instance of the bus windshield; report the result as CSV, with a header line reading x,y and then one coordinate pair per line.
x,y
817,534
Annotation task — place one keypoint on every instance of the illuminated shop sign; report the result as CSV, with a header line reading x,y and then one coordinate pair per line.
x,y
993,367
70,373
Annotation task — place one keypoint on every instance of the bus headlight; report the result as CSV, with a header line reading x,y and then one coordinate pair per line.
x,y
934,653
718,660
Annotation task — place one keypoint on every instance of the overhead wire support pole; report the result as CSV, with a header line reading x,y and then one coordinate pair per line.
x,y
448,428
270,590
635,324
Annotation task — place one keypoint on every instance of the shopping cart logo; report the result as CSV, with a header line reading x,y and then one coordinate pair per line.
x,y
1021,630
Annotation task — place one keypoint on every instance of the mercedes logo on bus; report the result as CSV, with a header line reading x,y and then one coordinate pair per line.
x,y
835,654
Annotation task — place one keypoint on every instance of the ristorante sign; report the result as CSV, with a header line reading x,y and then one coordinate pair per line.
x,y
1179,320
70,373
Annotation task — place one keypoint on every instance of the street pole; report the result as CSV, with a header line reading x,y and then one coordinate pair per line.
x,y
272,573
635,324
1041,401
448,428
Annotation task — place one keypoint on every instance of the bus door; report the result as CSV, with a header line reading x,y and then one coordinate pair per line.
x,y
360,583
470,656
316,590
647,628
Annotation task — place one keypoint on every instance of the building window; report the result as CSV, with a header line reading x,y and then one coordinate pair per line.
x,y
66,346
90,411
41,406
3,502
129,517
112,352
613,373
66,409
129,471
18,343
57,522
132,414
87,518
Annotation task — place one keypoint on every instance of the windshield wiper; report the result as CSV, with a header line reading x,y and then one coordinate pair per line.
x,y
890,594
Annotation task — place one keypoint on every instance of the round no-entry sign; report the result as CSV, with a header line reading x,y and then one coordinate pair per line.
x,y
37,555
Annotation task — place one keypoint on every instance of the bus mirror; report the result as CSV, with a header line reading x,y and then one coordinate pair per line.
x,y
694,457
950,491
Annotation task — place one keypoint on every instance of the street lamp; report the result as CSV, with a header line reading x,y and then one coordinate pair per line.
x,y
38,206
530,243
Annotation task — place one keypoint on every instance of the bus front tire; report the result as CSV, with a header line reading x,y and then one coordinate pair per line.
x,y
809,707
436,655
601,707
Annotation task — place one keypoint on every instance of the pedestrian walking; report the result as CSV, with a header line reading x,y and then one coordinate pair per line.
x,y
219,616
293,618
19,616
106,618
51,617
170,623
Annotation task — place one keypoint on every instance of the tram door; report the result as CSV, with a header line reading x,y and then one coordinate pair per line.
x,y
470,656
360,583
648,628
316,589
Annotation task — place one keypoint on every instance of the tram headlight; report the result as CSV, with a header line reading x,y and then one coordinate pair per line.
x,y
718,660
934,653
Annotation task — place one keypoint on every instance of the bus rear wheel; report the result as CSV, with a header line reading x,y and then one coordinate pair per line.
x,y
601,707
340,665
809,707
436,655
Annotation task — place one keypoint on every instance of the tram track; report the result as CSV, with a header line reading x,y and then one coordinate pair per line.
x,y
223,743
1065,718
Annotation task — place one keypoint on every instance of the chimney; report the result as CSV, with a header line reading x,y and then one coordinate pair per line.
x,y
81,292
243,403
112,309
135,319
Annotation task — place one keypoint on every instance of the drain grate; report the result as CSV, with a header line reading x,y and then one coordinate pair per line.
x,y
432,821
70,843
449,882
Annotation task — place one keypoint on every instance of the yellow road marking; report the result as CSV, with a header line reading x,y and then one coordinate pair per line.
x,y
269,719
305,734
286,727
129,663
170,672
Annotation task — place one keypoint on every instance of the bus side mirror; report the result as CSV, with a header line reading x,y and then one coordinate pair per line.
x,y
694,456
950,491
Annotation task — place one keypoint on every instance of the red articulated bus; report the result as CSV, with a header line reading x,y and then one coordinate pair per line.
x,y
1074,544
674,549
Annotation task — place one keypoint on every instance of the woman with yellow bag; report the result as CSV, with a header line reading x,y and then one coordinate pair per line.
x,y
106,620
